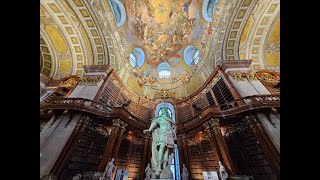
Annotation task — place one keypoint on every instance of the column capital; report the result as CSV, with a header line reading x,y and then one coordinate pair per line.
x,y
214,122
207,125
123,125
116,122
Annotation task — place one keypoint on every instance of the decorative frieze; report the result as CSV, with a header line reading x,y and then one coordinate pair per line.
x,y
241,76
89,80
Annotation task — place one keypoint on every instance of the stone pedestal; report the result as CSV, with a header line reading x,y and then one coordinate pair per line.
x,y
162,176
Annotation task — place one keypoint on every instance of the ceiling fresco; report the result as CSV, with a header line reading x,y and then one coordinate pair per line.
x,y
160,49
166,32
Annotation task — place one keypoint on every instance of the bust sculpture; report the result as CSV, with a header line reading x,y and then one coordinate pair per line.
x,y
148,172
223,172
163,131
184,175
107,175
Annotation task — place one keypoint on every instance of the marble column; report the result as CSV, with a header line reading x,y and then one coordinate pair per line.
x,y
109,147
144,156
53,138
222,145
116,146
271,125
70,146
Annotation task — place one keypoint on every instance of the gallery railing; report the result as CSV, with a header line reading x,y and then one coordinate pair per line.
x,y
99,109
236,107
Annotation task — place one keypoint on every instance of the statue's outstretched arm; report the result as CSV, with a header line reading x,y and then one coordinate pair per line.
x,y
152,126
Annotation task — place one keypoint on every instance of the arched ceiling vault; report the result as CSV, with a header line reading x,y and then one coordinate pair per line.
x,y
73,36
251,39
47,58
80,32
124,38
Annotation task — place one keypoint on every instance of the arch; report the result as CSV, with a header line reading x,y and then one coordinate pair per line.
x,y
169,106
164,70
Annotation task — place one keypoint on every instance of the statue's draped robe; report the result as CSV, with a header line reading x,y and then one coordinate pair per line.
x,y
165,134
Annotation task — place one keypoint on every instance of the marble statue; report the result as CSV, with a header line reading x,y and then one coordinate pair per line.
x,y
163,131
185,174
107,175
148,172
223,172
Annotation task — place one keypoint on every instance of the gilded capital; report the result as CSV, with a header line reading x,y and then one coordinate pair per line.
x,y
206,125
123,125
117,122
214,122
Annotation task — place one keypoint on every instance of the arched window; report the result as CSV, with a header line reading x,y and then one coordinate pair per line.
x,y
191,55
136,58
169,113
164,70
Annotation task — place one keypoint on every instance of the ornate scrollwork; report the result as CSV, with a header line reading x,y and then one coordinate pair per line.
x,y
117,122
164,94
241,76
270,78
238,76
214,122
69,84
89,80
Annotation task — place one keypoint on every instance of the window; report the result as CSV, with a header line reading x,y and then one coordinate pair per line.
x,y
191,55
168,112
132,60
175,165
136,58
164,70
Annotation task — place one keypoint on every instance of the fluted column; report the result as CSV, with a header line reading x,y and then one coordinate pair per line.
x,y
109,147
144,155
122,129
227,161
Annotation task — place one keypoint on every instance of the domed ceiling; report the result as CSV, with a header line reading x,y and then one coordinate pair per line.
x,y
163,32
160,49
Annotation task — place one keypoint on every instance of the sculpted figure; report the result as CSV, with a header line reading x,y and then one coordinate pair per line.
x,y
223,172
107,175
163,131
148,172
184,175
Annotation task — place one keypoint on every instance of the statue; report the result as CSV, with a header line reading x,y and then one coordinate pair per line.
x,y
223,172
163,131
184,175
109,170
148,172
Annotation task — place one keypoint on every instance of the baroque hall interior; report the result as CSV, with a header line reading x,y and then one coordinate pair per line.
x,y
207,70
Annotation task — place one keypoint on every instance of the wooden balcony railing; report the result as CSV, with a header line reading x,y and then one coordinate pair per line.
x,y
234,108
89,106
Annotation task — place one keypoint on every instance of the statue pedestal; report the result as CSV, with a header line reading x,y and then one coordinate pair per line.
x,y
163,176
